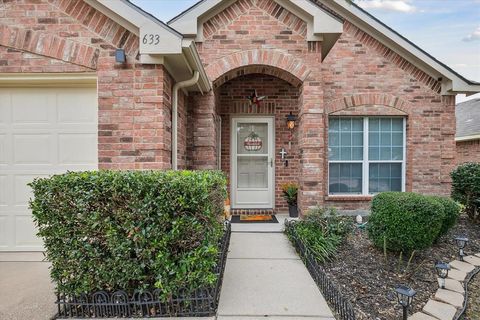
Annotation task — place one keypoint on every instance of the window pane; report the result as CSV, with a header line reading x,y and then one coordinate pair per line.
x,y
334,124
357,124
345,178
357,153
385,124
385,177
385,153
388,134
334,153
333,139
347,134
357,139
374,139
397,124
374,124
374,153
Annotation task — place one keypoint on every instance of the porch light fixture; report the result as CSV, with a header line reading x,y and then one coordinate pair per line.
x,y
442,272
291,121
120,56
461,243
405,297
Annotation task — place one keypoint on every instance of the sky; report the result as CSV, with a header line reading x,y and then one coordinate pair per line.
x,y
447,29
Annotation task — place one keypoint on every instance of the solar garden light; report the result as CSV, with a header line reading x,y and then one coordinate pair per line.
x,y
461,243
405,298
442,272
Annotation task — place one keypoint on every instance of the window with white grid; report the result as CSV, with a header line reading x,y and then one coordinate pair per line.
x,y
366,155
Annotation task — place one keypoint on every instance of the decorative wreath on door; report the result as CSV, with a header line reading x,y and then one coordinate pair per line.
x,y
252,142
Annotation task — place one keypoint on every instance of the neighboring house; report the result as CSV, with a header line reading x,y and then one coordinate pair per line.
x,y
468,131
373,111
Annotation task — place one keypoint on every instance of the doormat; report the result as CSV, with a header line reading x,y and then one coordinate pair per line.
x,y
250,218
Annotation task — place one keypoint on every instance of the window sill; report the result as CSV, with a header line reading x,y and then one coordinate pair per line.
x,y
349,198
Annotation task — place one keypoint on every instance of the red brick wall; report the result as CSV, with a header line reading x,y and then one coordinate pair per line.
x,y
133,99
281,99
468,151
261,32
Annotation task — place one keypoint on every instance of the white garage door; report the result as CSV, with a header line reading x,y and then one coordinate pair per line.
x,y
42,131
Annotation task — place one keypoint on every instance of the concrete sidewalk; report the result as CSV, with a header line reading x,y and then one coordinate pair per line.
x,y
26,292
265,277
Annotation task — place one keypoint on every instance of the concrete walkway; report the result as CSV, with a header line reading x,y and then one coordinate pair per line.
x,y
265,277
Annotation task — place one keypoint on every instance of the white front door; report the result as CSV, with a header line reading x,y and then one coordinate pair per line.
x,y
252,163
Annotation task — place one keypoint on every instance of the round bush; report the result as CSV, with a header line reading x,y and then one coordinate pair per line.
x,y
404,221
451,211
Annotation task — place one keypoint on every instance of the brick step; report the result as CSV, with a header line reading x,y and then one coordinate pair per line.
x,y
237,212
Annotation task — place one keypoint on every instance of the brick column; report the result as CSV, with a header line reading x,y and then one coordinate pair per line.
x,y
204,144
311,136
133,116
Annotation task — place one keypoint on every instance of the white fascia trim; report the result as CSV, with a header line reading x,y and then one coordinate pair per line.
x,y
190,24
401,46
468,138
142,24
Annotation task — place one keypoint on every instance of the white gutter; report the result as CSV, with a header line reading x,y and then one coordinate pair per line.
x,y
176,87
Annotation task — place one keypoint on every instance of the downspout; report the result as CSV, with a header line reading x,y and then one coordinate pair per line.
x,y
176,87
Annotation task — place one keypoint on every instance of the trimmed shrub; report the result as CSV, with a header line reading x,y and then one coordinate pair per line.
x,y
451,213
404,221
112,230
322,231
466,188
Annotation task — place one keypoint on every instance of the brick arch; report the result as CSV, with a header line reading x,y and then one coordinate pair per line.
x,y
384,104
258,69
278,63
48,45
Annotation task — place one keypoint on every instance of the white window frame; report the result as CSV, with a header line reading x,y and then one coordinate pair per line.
x,y
366,161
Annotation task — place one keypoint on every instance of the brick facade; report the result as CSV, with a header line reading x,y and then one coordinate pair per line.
x,y
359,77
468,151
134,104
253,44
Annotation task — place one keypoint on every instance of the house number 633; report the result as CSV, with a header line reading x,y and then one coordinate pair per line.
x,y
151,38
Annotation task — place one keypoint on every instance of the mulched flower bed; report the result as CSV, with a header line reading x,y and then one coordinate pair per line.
x,y
367,279
473,309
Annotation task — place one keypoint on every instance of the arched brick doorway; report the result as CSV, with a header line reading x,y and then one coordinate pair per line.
x,y
233,117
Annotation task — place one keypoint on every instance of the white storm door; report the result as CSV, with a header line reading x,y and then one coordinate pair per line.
x,y
252,163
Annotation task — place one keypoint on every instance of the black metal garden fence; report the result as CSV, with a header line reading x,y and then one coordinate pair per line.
x,y
202,302
342,306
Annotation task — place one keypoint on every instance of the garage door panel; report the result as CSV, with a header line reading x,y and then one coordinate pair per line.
x,y
22,191
43,131
77,148
72,108
3,149
25,232
4,231
33,106
3,190
5,108
32,149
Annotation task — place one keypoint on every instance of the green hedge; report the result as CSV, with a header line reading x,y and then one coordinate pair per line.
x,y
111,230
405,221
451,213
466,188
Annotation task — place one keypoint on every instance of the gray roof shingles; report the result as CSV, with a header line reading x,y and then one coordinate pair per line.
x,y
468,118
